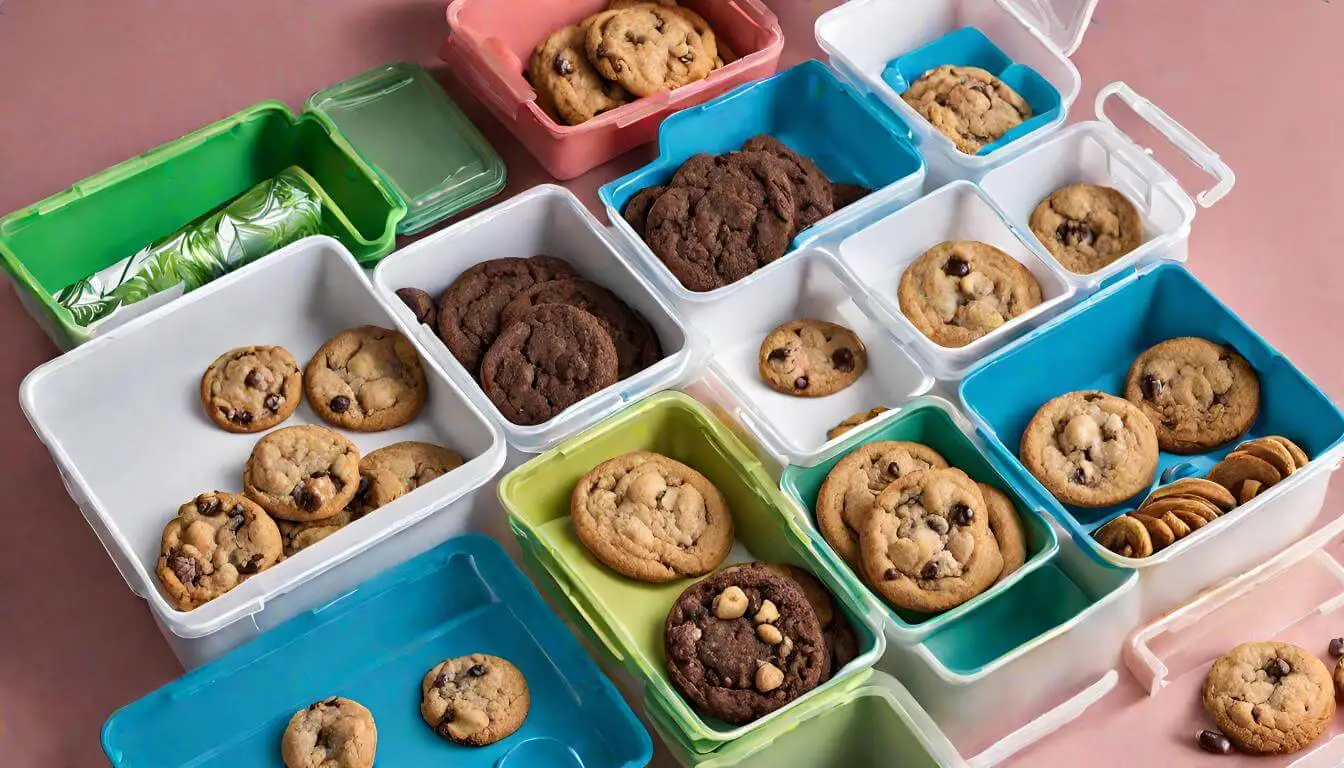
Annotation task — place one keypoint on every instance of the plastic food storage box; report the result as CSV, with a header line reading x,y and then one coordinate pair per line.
x,y
847,141
391,152
374,645
491,41
544,220
84,405
627,616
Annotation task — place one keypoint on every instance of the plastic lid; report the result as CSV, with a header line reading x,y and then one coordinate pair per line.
x,y
421,143
1063,22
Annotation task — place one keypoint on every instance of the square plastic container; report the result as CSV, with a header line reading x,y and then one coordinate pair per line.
x,y
491,41
375,645
143,381
808,286
544,220
935,423
627,616
1100,339
864,38
808,108
879,254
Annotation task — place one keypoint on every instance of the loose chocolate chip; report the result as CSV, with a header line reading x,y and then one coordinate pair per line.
x,y
800,382
477,670
929,571
1277,668
563,66
340,404
956,267
253,379
778,355
273,403
891,574
962,514
843,359
1337,647
1075,233
1215,742
183,567
441,680
236,522
252,565
1152,386
209,507
242,417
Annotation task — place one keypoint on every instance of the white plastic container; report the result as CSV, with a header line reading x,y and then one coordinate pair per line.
x,y
878,256
862,37
543,220
808,285
122,418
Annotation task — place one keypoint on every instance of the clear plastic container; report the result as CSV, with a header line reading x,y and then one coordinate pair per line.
x,y
491,41
544,220
143,380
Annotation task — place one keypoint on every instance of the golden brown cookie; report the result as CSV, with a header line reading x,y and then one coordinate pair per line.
x,y
1128,537
1086,226
217,541
1270,698
811,358
332,733
960,290
251,389
847,494
855,420
968,105
1196,486
474,700
1232,471
302,473
367,379
569,88
1090,449
1198,394
1006,525
647,50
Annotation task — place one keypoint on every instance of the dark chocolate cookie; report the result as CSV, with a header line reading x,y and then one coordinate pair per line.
x,y
637,210
743,643
552,357
845,195
812,196
469,309
636,344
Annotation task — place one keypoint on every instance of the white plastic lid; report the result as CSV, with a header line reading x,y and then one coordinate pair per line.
x,y
1063,22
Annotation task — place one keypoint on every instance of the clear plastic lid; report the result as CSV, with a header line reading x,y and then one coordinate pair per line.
x,y
1063,22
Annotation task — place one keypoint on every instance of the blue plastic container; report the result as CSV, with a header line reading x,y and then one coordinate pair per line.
x,y
374,645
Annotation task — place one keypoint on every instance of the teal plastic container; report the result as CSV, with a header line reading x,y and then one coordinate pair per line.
x,y
934,423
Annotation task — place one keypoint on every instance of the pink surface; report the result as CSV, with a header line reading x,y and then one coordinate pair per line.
x,y
88,83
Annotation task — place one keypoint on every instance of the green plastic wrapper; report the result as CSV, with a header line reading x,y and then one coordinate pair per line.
x,y
267,217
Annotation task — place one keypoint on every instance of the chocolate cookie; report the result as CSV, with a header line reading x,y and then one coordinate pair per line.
x,y
847,494
842,644
1086,226
651,518
333,733
845,195
927,545
568,88
636,344
812,195
1270,698
422,305
251,389
1198,394
637,209
960,290
1006,525
550,358
648,49
811,358
1090,449
367,379
302,473
469,309
474,700
743,643
217,541
967,105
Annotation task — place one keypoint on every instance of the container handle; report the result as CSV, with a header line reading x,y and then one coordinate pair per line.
x,y
1198,152
1046,724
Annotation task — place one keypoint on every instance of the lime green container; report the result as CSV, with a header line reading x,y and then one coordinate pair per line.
x,y
935,423
391,152
626,617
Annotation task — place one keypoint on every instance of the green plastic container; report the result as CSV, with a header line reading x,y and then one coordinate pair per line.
x,y
111,215
625,616
933,422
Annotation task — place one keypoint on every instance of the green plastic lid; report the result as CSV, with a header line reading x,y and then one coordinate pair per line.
x,y
418,140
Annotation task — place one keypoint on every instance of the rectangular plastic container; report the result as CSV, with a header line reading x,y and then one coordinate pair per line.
x,y
84,405
627,616
1100,339
491,41
850,143
544,220
879,255
810,285
374,646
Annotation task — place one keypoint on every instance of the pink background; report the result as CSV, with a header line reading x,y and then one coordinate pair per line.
x,y
87,83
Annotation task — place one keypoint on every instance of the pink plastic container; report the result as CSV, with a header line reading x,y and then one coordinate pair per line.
x,y
490,41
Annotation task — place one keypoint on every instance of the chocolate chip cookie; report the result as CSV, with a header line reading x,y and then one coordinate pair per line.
x,y
847,494
251,389
1086,226
811,358
960,290
647,49
1270,698
855,420
1091,449
302,473
927,545
332,733
652,518
1198,394
636,344
812,194
568,87
550,358
296,537
1006,525
367,379
968,105
474,700
743,643
217,541
469,309
702,28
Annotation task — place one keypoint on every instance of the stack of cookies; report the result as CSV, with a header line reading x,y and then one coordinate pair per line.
x,y
536,335
634,49
720,218
1256,465
961,290
968,105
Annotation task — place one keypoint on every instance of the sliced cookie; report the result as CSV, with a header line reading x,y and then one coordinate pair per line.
x,y
960,290
968,105
847,494
302,473
1006,525
332,733
474,700
1091,449
811,358
251,389
1128,537
1086,226
636,344
569,88
1196,486
367,379
812,194
216,542
1270,698
1198,394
